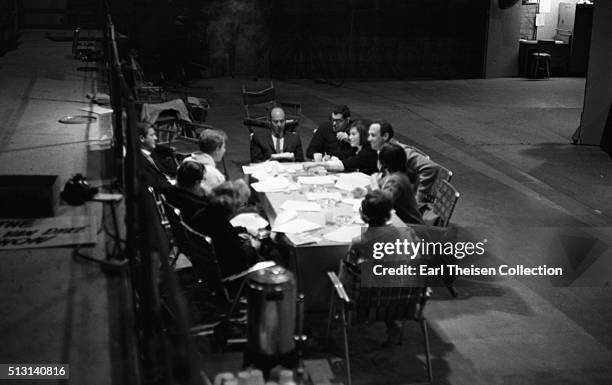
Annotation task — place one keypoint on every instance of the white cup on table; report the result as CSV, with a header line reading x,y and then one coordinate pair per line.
x,y
318,157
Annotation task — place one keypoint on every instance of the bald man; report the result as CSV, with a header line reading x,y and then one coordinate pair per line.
x,y
276,143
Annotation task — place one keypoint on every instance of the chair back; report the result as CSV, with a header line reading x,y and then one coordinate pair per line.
x,y
257,104
388,303
418,150
161,211
445,202
373,304
199,250
444,174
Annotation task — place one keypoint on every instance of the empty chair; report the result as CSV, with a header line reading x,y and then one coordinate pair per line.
x,y
370,304
541,59
258,104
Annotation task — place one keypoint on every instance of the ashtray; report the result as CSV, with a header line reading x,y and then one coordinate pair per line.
x,y
77,119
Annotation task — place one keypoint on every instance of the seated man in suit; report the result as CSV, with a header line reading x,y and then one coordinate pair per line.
x,y
275,143
421,170
151,171
332,137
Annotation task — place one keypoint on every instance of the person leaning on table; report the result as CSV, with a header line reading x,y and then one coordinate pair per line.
x,y
363,160
276,143
332,137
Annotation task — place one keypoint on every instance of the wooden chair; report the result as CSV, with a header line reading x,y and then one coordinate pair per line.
x,y
370,304
258,104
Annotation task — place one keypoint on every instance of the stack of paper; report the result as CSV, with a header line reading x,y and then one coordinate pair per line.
x,y
291,167
344,234
320,180
302,239
300,206
272,167
355,202
353,180
284,217
315,196
272,185
296,226
261,175
250,221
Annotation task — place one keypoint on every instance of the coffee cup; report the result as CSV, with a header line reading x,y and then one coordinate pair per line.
x,y
318,157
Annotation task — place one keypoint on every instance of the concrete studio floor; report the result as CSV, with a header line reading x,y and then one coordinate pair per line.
x,y
523,186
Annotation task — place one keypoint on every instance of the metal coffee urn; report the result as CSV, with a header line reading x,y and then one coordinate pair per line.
x,y
271,295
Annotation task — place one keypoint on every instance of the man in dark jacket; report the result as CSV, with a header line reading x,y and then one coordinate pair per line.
x,y
276,143
332,138
151,170
421,170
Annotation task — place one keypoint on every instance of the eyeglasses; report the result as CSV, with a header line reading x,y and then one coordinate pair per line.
x,y
340,120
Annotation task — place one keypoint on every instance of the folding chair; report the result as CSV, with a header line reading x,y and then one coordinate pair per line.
x,y
165,224
258,104
442,208
445,202
371,304
199,250
444,174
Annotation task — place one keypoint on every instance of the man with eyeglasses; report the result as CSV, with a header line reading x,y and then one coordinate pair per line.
x,y
332,138
276,143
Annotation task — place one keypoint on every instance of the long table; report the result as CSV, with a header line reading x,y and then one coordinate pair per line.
x,y
311,262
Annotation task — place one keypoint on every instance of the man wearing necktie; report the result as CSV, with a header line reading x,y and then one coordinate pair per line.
x,y
276,143
150,172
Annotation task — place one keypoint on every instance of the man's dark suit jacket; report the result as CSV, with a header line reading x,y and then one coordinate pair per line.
x,y
262,146
151,175
324,141
209,219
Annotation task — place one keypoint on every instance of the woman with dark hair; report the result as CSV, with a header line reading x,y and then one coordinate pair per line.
x,y
210,214
376,211
364,158
393,179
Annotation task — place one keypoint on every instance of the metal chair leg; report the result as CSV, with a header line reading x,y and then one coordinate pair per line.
x,y
347,361
427,354
329,317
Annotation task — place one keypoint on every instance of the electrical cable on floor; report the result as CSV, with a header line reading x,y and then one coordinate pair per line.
x,y
112,265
